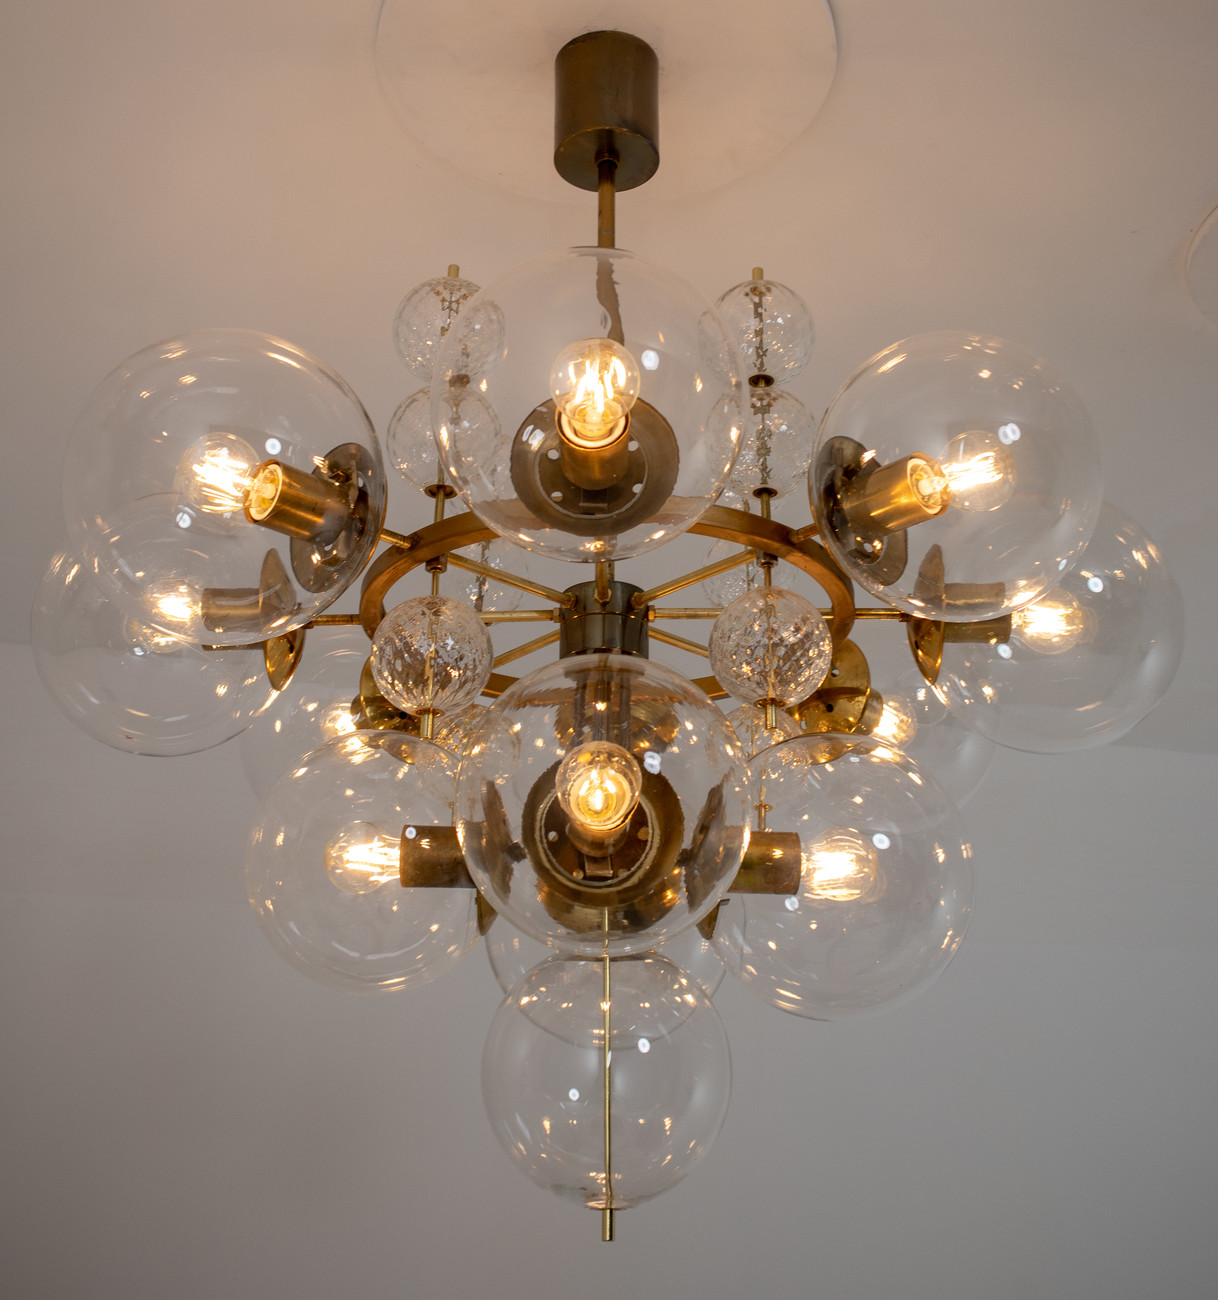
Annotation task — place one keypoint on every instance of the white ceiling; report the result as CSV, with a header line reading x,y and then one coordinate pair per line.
x,y
186,1116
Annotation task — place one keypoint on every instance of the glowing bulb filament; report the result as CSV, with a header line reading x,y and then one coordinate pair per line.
x,y
1051,625
979,471
216,474
598,786
594,384
839,866
361,858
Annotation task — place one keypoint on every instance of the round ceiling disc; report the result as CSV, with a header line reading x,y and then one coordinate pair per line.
x,y
473,82
1202,269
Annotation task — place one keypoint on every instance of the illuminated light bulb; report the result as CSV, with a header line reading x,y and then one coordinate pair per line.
x,y
839,866
598,785
897,723
979,471
1053,624
336,721
176,604
594,384
361,858
216,474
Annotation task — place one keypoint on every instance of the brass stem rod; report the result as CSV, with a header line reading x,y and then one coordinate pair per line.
x,y
893,614
512,580
519,652
804,534
604,576
334,620
517,616
686,611
681,642
402,540
606,203
688,579
607,1085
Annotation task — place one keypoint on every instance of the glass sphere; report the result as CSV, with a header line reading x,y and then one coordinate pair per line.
x,y
431,652
770,644
453,730
776,449
130,686
1086,662
321,865
425,316
313,708
543,1080
489,593
163,458
955,476
770,326
513,954
495,420
561,882
410,443
748,722
885,885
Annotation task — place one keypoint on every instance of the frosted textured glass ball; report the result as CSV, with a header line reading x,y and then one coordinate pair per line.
x,y
770,644
424,317
775,451
431,652
770,326
542,1080
410,443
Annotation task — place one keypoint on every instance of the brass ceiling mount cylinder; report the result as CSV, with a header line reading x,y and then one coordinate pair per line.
x,y
606,104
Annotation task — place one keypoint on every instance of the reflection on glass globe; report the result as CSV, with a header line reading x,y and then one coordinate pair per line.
x,y
770,644
955,476
513,954
779,432
542,1078
313,708
425,316
431,652
559,878
410,444
322,865
885,884
453,730
130,686
770,326
164,458
1086,662
748,722
557,492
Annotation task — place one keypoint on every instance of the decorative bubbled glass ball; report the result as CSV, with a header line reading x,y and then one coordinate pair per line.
x,y
594,428
543,1078
748,721
225,486
883,890
955,476
431,653
1083,664
630,850
130,686
770,645
770,328
323,865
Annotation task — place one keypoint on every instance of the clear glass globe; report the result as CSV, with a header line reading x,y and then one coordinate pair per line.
x,y
955,476
748,722
453,730
425,316
555,493
1086,662
130,686
484,592
431,652
321,865
770,644
770,327
723,588
513,954
164,457
885,886
561,881
314,707
776,449
543,1080
410,443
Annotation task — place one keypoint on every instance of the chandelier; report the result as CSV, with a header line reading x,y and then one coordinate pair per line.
x,y
617,838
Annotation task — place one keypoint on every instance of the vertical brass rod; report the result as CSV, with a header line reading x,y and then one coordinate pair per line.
x,y
441,501
606,201
607,1081
604,576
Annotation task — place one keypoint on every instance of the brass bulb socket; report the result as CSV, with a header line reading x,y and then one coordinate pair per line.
x,y
886,499
593,467
297,504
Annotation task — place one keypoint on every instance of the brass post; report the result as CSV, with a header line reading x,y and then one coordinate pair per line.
x,y
607,1076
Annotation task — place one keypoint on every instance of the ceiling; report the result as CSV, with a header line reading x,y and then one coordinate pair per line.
x,y
185,1115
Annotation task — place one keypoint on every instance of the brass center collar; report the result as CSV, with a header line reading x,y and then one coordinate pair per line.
x,y
599,626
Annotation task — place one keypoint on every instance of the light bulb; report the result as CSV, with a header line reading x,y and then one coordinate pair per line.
x,y
362,857
174,605
839,866
897,723
598,785
337,720
979,471
1053,624
215,474
594,384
